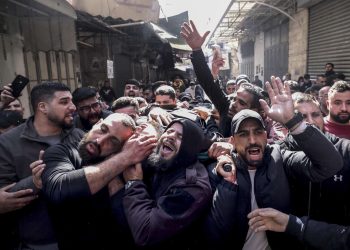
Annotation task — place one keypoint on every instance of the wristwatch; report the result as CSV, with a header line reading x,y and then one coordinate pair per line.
x,y
128,184
298,117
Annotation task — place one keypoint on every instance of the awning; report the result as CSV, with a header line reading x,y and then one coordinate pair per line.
x,y
60,6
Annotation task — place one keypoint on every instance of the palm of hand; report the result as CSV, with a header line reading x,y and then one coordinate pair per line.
x,y
281,109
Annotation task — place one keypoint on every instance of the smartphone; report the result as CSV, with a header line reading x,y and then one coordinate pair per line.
x,y
18,85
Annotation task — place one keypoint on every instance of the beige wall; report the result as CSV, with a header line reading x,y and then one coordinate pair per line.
x,y
145,10
298,37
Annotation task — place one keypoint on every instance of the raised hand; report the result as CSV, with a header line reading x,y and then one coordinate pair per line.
x,y
192,37
282,109
268,219
14,200
6,96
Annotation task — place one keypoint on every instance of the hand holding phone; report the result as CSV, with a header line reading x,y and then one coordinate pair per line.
x,y
18,85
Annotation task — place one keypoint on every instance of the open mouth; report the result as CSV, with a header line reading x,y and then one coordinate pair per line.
x,y
167,149
131,94
255,153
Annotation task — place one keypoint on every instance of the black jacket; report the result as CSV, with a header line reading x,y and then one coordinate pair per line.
x,y
80,220
329,200
319,235
213,90
227,221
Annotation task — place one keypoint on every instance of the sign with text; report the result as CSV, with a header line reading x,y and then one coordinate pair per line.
x,y
110,73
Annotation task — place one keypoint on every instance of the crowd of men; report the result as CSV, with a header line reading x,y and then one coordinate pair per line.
x,y
251,166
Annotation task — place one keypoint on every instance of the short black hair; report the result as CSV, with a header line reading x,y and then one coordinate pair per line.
x,y
45,92
307,76
125,101
157,84
330,64
83,93
133,82
255,91
166,90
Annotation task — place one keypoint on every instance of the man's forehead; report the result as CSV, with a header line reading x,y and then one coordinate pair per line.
x,y
340,95
307,105
176,126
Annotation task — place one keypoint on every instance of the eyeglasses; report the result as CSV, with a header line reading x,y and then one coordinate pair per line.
x,y
86,109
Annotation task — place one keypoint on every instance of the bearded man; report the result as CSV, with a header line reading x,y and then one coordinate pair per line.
x,y
163,201
76,180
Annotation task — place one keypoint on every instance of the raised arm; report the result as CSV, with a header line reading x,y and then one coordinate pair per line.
x,y
319,159
63,178
206,80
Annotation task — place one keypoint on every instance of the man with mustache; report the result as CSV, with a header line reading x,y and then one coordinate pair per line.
x,y
260,173
163,200
77,177
89,108
338,104
21,151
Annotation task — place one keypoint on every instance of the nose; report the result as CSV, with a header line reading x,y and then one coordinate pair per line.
x,y
101,139
343,106
72,107
309,119
252,139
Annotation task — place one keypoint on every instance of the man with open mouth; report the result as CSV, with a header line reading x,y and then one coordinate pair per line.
x,y
260,173
163,200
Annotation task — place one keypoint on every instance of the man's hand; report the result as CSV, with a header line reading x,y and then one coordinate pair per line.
x,y
37,168
282,109
16,200
220,148
202,112
133,173
138,147
228,176
6,96
264,219
192,37
161,116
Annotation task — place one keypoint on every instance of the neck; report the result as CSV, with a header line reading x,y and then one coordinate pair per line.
x,y
44,127
251,168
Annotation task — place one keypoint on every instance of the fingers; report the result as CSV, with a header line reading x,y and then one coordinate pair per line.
x,y
6,188
41,154
165,119
21,193
205,35
35,164
22,202
274,86
37,171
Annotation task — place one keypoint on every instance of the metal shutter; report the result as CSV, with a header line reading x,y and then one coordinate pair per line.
x,y
329,37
